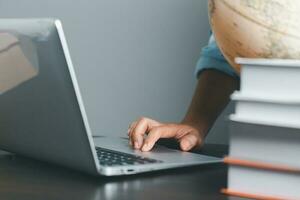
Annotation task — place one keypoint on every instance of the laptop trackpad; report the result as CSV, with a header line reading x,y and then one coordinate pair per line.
x,y
158,152
122,144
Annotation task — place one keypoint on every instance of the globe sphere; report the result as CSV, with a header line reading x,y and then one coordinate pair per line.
x,y
256,28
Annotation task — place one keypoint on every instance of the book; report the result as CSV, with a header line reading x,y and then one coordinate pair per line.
x,y
280,111
261,180
271,78
264,143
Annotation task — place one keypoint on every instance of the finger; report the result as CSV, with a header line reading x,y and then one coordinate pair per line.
x,y
143,126
137,134
190,141
155,134
132,125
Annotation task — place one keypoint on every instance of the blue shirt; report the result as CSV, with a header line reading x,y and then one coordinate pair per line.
x,y
212,58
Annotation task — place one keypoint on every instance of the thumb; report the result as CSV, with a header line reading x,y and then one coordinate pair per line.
x,y
190,141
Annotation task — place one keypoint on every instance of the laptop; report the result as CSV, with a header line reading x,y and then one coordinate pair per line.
x,y
42,113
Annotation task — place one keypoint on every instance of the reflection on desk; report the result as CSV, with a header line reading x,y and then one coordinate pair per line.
x,y
23,178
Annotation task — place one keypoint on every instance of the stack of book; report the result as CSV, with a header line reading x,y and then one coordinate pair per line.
x,y
264,154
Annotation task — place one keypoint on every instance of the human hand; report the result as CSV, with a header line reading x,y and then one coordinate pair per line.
x,y
145,132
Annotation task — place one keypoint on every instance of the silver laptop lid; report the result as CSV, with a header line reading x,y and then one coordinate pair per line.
x,y
41,110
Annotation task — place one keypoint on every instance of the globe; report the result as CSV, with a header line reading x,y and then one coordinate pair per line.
x,y
256,28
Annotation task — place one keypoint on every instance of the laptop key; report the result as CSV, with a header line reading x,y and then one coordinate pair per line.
x,y
109,157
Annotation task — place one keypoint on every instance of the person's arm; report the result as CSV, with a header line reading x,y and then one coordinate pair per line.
x,y
211,96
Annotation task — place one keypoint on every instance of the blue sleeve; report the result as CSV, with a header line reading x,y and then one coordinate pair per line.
x,y
212,58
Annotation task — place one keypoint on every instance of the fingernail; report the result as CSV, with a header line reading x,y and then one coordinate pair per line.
x,y
128,130
145,147
186,146
136,145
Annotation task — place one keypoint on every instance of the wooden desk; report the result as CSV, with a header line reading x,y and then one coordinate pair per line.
x,y
26,179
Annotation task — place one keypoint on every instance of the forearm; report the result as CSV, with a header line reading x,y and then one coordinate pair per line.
x,y
211,96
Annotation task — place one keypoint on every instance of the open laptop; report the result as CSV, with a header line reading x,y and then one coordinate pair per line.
x,y
42,113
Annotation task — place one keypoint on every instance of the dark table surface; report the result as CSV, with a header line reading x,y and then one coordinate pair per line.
x,y
23,178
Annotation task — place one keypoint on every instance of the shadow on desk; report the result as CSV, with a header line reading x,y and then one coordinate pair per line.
x,y
22,178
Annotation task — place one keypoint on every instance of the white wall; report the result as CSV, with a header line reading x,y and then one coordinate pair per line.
x,y
132,57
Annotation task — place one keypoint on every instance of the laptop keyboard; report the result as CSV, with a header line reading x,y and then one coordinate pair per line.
x,y
109,157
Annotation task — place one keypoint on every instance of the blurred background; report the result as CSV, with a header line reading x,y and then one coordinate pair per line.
x,y
132,57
